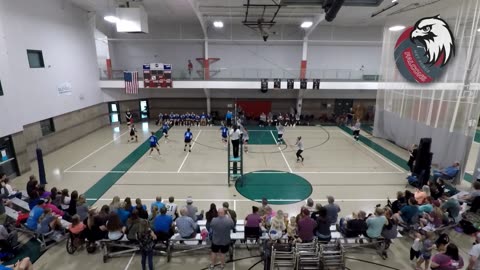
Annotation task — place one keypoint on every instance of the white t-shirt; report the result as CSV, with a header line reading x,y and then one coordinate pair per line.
x,y
171,209
65,204
280,129
417,244
475,251
235,135
300,145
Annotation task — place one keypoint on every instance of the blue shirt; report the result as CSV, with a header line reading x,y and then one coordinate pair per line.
x,y
33,218
165,127
451,171
228,115
224,131
159,205
408,212
153,140
203,116
123,215
162,223
188,135
375,226
2,267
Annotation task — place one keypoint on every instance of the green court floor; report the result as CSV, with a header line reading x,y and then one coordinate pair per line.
x,y
262,135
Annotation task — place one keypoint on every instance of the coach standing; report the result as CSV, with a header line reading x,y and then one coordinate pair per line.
x,y
220,229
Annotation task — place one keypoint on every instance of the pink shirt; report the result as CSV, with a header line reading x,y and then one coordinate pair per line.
x,y
77,228
55,209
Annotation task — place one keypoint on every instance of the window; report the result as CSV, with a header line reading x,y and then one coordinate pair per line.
x,y
113,111
144,109
35,59
1,89
47,126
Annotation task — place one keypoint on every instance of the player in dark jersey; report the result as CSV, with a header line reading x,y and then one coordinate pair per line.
x,y
165,129
188,140
153,144
224,131
133,134
129,117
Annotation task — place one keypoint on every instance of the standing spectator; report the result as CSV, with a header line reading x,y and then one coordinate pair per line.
x,y
221,227
210,215
332,210
72,206
235,135
32,185
190,68
228,117
172,208
261,211
158,202
450,260
231,213
306,227
474,261
426,252
315,213
356,130
193,210
187,228
146,241
413,151
163,225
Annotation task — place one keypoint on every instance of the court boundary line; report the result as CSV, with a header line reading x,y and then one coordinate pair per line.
x,y
188,153
281,152
130,261
247,200
376,154
255,172
94,152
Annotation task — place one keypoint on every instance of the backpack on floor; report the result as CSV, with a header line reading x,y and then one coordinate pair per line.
x,y
413,180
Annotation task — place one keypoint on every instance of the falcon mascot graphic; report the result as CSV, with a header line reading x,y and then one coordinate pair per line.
x,y
437,39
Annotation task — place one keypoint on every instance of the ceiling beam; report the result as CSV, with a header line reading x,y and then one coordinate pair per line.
x,y
196,9
318,19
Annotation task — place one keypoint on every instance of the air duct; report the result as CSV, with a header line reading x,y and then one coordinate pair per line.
x,y
132,20
332,7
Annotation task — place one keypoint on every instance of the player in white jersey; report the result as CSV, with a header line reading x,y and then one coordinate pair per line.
x,y
280,131
300,148
244,138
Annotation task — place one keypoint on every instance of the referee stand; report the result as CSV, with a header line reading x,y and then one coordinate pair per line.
x,y
235,165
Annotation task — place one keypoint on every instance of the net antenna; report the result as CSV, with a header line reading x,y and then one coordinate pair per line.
x,y
259,17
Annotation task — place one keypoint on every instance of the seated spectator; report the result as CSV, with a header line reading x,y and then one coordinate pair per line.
x,y
434,219
421,195
263,208
408,213
33,200
96,228
390,230
399,203
322,230
114,226
448,173
154,214
187,227
72,206
64,200
35,214
124,213
427,207
172,207
375,224
42,192
77,227
127,204
55,210
355,226
277,226
115,204
193,210
163,225
55,197
310,205
306,227
32,185
437,188
158,202
8,189
48,222
221,227
292,229
141,209
82,207
212,213
24,264
253,220
332,210
408,195
468,198
230,212
267,217
315,213
448,260
452,206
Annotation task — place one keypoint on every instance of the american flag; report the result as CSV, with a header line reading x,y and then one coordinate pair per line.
x,y
131,82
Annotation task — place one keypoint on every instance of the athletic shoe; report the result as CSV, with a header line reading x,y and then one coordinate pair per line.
x,y
189,150
303,159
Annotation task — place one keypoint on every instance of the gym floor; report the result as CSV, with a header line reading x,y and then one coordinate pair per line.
x,y
104,164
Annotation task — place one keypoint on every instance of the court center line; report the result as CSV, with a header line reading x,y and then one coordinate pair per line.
x,y
375,153
130,261
89,155
185,159
281,152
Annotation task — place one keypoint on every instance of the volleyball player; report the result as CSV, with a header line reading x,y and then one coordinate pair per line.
x,y
165,129
299,145
153,144
280,131
356,130
244,138
188,140
129,117
224,131
133,133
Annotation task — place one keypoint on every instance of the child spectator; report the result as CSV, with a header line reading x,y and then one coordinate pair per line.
x,y
426,252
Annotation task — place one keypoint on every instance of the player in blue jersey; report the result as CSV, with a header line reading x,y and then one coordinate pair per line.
x,y
165,129
153,144
224,131
188,140
182,119
203,119
209,119
197,120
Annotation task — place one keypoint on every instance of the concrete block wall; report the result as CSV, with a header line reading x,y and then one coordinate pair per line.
x,y
20,146
68,128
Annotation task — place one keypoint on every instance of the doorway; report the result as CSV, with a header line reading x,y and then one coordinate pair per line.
x,y
113,111
144,112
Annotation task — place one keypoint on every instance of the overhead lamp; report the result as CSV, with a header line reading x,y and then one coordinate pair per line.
x,y
218,24
478,29
111,19
307,24
396,28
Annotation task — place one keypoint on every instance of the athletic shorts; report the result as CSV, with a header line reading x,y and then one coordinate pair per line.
x,y
280,135
153,145
245,141
165,131
132,134
218,249
188,141
426,257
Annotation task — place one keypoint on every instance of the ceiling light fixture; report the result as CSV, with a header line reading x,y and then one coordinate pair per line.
x,y
478,29
306,24
396,28
218,24
111,19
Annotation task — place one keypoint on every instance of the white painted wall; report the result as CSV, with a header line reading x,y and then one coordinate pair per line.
x,y
65,35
